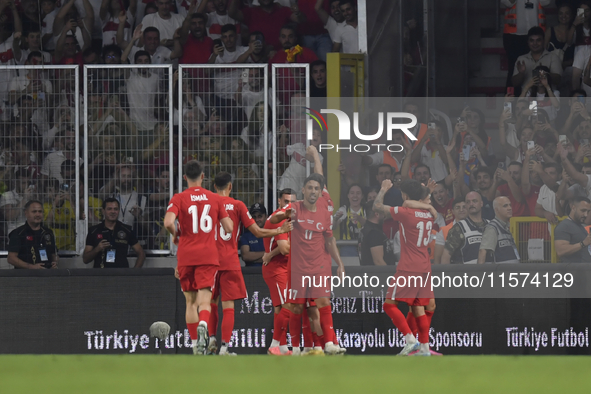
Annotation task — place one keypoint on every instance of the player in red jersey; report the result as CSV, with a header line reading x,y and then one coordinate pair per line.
x,y
199,213
229,283
413,272
275,275
310,272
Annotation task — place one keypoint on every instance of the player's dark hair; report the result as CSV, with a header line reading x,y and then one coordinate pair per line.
x,y
31,202
109,200
228,27
413,189
222,180
315,177
286,191
193,170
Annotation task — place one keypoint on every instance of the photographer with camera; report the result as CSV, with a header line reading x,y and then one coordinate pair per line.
x,y
107,243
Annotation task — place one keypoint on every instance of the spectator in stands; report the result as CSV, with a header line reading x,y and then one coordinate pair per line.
x,y
6,44
226,80
143,87
395,159
571,238
546,203
346,37
30,14
268,18
122,187
371,193
351,216
65,150
32,40
318,75
31,82
384,172
263,53
69,23
373,244
107,243
334,21
486,185
252,248
513,190
245,173
538,56
519,19
253,134
498,245
422,173
396,180
430,151
251,95
23,156
539,87
559,38
314,35
574,113
463,239
116,14
165,21
48,13
13,201
582,43
197,46
59,213
460,213
217,19
294,175
32,245
158,197
443,202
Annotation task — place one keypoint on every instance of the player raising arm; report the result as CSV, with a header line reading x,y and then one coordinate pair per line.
x,y
229,282
199,213
414,267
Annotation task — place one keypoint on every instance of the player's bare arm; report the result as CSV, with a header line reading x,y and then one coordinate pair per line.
x,y
282,248
227,224
258,232
420,205
378,203
313,156
281,216
331,248
169,223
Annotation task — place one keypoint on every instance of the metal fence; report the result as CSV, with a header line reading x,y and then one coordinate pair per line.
x,y
138,125
39,149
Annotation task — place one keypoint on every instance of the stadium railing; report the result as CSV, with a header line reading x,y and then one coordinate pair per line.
x,y
534,238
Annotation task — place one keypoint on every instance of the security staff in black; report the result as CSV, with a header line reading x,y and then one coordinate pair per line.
x,y
108,242
470,236
32,245
498,245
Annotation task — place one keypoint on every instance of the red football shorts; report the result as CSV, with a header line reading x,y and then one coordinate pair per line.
x,y
275,276
308,286
410,287
230,284
197,277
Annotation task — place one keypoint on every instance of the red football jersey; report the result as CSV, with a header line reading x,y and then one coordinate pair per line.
x,y
271,243
308,253
228,243
415,231
199,212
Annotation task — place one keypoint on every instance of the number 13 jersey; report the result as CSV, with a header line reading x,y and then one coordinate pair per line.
x,y
415,233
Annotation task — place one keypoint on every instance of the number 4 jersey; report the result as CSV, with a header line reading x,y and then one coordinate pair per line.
x,y
228,243
415,233
199,213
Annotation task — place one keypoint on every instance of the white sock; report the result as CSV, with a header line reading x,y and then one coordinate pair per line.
x,y
328,344
424,348
224,348
274,343
193,342
203,323
410,338
307,349
212,338
283,348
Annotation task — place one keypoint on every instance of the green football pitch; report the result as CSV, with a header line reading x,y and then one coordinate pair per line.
x,y
266,374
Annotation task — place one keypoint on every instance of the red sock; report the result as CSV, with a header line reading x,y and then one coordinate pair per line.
x,y
412,323
212,324
277,326
295,329
307,330
423,323
192,327
284,317
429,315
204,316
326,324
316,339
227,324
321,341
397,318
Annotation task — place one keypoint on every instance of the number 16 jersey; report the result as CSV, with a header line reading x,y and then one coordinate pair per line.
x,y
199,213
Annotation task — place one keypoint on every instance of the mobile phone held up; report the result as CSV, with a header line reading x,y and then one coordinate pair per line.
x,y
466,152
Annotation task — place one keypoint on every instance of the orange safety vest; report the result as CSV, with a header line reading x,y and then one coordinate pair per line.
x,y
422,131
446,229
511,19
